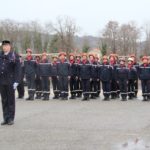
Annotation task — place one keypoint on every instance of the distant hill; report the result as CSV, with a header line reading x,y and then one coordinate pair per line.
x,y
90,40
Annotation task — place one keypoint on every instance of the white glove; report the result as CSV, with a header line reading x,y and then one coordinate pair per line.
x,y
15,85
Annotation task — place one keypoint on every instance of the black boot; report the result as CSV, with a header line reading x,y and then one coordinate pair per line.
x,y
79,95
84,98
29,97
124,98
32,96
47,96
112,96
38,96
148,98
55,97
72,97
44,97
65,96
4,122
144,98
93,96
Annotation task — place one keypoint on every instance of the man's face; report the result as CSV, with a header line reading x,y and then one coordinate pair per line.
x,y
112,59
55,59
44,57
62,57
130,62
78,58
6,48
84,57
145,61
122,62
105,60
91,58
71,58
28,53
133,59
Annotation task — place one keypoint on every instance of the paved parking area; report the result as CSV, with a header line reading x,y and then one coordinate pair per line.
x,y
78,125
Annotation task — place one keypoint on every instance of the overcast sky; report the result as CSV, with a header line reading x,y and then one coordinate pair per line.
x,y
90,15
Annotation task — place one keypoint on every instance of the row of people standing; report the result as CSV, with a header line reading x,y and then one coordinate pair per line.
x,y
84,74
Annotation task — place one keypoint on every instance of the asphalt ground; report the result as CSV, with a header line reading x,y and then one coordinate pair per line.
x,y
78,125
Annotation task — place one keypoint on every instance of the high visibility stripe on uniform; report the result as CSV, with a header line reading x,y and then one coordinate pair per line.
x,y
106,92
56,90
144,94
38,91
31,89
78,90
113,91
93,92
45,63
144,67
123,93
46,92
130,92
86,92
64,92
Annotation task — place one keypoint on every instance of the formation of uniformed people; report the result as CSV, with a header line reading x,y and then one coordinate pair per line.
x,y
83,74
80,75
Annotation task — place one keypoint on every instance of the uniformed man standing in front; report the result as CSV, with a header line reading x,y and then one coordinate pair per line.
x,y
9,79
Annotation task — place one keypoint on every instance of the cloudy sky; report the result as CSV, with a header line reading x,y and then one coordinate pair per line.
x,y
90,15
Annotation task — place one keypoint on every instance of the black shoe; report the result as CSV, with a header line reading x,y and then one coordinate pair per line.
x,y
38,97
31,99
118,96
4,123
79,95
112,97
124,99
106,99
44,99
19,97
84,99
28,99
65,98
55,97
11,122
144,99
93,97
130,98
71,97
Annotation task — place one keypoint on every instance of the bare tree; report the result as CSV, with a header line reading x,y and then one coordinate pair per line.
x,y
146,50
110,35
128,38
65,29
